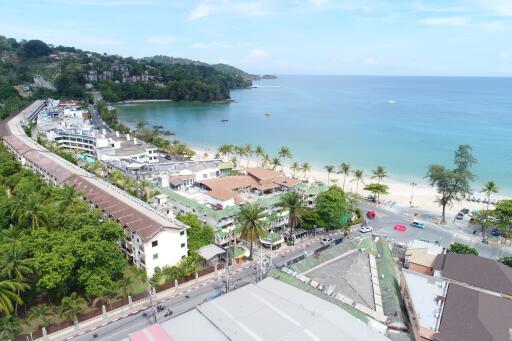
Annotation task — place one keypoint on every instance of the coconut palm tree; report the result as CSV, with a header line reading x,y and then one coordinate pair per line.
x,y
71,306
265,161
358,177
9,327
248,152
344,168
126,285
239,151
34,213
8,295
275,162
68,197
329,169
379,173
41,314
15,268
294,203
284,153
259,152
489,188
295,167
250,217
306,168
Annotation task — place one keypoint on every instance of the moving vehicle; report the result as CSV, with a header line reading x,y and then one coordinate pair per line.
x,y
418,224
365,229
459,216
464,211
371,214
327,241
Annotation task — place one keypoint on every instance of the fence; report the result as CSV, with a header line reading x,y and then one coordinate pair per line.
x,y
52,328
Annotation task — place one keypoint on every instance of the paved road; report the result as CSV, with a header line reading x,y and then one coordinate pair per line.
x,y
383,224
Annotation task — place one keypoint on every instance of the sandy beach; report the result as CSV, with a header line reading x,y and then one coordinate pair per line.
x,y
423,199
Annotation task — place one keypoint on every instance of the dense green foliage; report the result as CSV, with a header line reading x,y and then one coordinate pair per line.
x,y
52,243
251,219
503,214
506,260
198,233
463,248
331,208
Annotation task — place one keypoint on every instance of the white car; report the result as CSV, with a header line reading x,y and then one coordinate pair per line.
x,y
327,241
365,229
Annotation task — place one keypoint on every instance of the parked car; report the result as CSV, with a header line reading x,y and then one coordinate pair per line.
x,y
418,224
400,227
496,232
371,214
326,241
459,216
464,211
365,229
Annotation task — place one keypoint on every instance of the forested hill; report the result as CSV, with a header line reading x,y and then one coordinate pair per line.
x,y
35,69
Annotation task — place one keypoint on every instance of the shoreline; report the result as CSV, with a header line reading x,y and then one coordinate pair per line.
x,y
424,195
136,101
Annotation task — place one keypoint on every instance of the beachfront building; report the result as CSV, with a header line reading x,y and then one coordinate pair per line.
x,y
216,201
467,298
421,255
153,239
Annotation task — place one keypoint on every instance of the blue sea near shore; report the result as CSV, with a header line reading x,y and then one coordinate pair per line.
x,y
402,123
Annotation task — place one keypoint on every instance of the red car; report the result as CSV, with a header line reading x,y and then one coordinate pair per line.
x,y
371,214
400,227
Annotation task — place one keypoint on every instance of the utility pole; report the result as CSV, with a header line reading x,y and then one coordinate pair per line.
x,y
150,296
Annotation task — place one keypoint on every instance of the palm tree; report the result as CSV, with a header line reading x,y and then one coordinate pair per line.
x,y
126,285
68,196
9,327
294,203
8,295
71,306
34,213
306,168
248,152
265,161
15,268
329,169
344,169
284,153
259,152
40,314
358,177
239,151
250,217
489,188
294,168
275,162
379,173
103,297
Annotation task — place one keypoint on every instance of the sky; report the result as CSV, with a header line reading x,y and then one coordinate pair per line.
x,y
366,37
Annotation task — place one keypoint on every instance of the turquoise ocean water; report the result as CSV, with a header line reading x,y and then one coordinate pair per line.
x,y
402,123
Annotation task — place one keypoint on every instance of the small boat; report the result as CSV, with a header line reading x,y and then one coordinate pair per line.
x,y
158,127
224,120
168,132
267,114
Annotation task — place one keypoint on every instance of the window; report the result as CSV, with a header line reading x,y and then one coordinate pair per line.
x,y
205,176
182,232
155,256
154,243
182,245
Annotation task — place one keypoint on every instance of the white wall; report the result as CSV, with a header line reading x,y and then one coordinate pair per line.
x,y
169,249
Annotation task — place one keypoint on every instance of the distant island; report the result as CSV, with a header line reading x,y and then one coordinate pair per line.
x,y
33,69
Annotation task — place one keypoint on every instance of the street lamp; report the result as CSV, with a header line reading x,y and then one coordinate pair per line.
x,y
413,184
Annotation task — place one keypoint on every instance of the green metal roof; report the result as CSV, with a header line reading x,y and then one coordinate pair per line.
x,y
226,165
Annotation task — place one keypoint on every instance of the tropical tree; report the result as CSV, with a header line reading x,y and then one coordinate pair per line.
x,y
358,177
259,152
379,173
15,268
377,190
275,162
8,295
225,150
306,168
68,197
72,306
353,200
331,208
503,213
294,204
462,248
489,188
452,184
295,167
250,217
329,169
284,153
344,169
9,327
34,213
248,152
141,125
125,284
265,161
41,314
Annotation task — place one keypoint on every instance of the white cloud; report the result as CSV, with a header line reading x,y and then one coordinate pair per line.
x,y
505,55
202,10
498,7
318,3
163,40
105,3
446,21
258,53
370,61
244,8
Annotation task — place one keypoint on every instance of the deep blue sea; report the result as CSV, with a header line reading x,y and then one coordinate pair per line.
x,y
402,123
